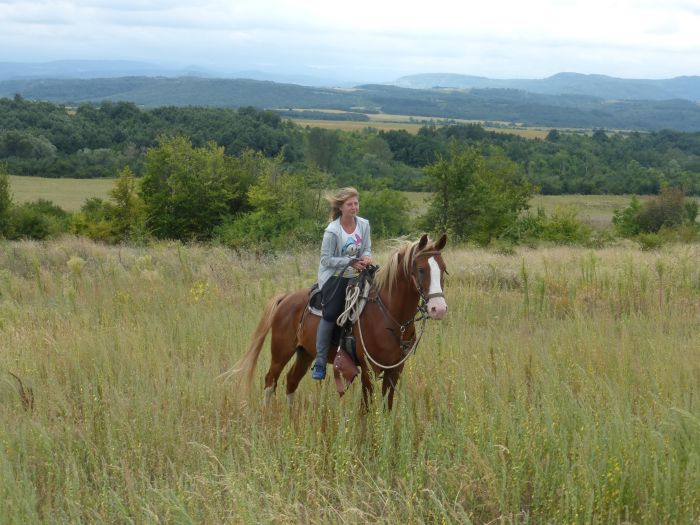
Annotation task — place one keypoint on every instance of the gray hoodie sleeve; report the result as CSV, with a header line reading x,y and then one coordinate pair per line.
x,y
367,242
328,248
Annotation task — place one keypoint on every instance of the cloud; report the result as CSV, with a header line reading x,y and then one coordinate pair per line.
x,y
498,37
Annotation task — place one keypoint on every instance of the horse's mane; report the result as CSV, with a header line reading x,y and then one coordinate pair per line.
x,y
400,260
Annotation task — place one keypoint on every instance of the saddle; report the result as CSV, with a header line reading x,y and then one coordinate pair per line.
x,y
346,363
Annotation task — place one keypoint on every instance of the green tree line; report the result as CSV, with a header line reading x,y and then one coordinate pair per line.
x,y
44,139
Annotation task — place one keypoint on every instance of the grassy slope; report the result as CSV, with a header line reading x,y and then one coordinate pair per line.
x,y
559,389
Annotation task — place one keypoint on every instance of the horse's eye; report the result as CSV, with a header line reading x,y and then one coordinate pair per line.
x,y
421,271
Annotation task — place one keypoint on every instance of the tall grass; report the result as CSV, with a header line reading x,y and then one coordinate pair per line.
x,y
561,388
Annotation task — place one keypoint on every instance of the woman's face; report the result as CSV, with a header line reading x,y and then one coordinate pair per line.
x,y
350,207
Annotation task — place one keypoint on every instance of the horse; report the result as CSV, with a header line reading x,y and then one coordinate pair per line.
x,y
410,284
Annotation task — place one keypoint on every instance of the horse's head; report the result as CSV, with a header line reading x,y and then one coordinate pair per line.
x,y
429,274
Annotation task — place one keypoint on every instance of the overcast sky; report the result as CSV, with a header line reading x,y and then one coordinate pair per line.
x,y
373,40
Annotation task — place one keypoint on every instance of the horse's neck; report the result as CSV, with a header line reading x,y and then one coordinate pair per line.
x,y
404,299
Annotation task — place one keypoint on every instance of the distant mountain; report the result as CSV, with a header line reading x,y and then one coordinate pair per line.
x,y
609,88
495,105
93,69
90,69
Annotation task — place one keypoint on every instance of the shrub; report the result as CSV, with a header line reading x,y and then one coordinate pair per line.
x,y
625,221
669,210
38,220
561,227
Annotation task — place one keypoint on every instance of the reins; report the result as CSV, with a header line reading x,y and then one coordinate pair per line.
x,y
421,309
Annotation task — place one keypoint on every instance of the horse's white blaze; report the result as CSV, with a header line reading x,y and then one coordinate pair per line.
x,y
437,306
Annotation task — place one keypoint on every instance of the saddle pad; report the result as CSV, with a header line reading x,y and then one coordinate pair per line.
x,y
315,298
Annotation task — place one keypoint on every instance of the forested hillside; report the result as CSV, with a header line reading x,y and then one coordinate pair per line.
x,y
44,139
507,105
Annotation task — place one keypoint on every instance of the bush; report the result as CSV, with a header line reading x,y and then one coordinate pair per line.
x,y
38,220
626,221
668,211
561,227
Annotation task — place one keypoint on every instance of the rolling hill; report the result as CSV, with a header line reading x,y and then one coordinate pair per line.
x,y
602,86
481,104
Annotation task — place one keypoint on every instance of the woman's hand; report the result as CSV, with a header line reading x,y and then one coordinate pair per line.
x,y
361,264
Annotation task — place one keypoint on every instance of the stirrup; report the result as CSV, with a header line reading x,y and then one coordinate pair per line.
x,y
318,372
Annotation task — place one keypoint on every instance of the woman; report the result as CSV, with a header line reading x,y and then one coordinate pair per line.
x,y
346,251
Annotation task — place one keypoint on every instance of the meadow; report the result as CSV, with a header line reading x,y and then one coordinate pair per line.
x,y
562,387
69,194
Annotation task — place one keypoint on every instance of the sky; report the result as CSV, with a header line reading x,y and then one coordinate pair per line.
x,y
365,40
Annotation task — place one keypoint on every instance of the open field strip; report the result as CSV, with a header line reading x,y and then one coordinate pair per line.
x,y
412,125
562,387
353,125
69,194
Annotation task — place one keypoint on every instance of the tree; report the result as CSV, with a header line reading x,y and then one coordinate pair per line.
x,y
188,191
284,211
127,210
5,201
322,147
387,211
477,198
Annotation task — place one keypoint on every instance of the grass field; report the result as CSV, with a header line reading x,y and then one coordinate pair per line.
x,y
69,194
561,388
386,122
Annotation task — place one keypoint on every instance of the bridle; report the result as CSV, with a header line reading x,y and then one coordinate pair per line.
x,y
408,347
425,298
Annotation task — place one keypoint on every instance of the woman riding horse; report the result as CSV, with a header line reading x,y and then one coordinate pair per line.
x,y
406,289
346,251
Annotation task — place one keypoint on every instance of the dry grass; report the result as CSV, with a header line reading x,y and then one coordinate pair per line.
x,y
561,388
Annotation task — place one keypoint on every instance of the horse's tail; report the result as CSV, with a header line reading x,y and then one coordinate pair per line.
x,y
246,364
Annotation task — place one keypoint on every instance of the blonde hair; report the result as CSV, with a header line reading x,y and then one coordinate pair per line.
x,y
338,198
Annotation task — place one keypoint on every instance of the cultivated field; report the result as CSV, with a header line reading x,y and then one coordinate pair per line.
x,y
387,122
562,388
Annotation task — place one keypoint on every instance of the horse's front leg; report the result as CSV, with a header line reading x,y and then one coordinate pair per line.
x,y
366,388
391,378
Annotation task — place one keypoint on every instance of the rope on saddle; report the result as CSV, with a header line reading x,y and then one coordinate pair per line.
x,y
355,300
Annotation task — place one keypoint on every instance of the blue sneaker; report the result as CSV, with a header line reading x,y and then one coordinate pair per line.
x,y
318,372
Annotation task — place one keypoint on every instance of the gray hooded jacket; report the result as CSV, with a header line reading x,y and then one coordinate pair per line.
x,y
331,260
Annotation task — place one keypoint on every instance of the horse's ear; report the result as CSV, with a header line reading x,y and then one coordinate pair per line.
x,y
423,242
442,241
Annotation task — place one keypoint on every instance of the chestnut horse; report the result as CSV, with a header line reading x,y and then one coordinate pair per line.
x,y
411,283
